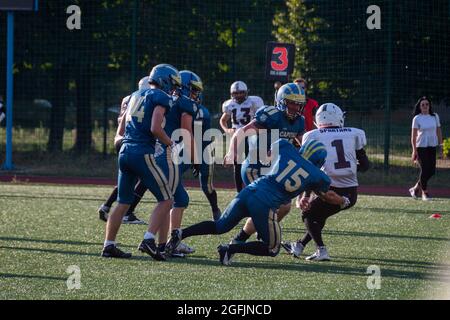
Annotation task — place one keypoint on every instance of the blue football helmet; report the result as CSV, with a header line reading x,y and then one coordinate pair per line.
x,y
315,152
291,92
191,85
166,77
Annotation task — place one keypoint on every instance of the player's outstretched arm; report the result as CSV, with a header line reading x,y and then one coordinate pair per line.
x,y
236,141
333,198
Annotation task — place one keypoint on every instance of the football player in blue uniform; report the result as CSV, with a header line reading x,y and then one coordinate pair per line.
x,y
293,173
143,124
181,116
287,120
205,171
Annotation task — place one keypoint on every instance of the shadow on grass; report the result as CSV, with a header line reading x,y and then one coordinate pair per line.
x,y
300,232
29,276
147,199
400,211
54,241
325,267
400,263
433,272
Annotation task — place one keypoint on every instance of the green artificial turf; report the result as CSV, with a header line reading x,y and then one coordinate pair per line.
x,y
45,229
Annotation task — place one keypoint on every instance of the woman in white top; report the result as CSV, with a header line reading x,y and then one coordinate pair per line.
x,y
426,137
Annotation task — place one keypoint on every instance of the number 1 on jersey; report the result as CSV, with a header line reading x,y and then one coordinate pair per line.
x,y
342,163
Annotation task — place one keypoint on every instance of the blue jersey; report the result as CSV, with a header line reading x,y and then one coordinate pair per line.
x,y
138,137
173,118
203,120
290,176
270,118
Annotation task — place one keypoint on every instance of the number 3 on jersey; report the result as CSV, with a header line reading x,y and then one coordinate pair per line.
x,y
136,108
293,182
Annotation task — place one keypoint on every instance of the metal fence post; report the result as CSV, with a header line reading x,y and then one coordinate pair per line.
x,y
8,165
387,112
133,46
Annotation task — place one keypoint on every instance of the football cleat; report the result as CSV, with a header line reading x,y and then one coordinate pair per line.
x,y
295,248
224,256
112,251
103,213
132,219
321,254
149,246
174,241
426,196
178,254
414,193
184,248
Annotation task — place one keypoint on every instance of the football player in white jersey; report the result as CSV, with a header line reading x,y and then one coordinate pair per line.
x,y
346,156
240,109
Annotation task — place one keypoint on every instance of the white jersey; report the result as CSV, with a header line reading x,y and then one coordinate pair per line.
x,y
241,114
341,143
2,112
123,108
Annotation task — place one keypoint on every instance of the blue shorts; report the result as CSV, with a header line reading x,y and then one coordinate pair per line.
x,y
264,218
174,173
133,166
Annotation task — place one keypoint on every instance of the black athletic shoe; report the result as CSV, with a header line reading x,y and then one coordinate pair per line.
x,y
174,241
149,246
132,219
112,251
103,213
224,256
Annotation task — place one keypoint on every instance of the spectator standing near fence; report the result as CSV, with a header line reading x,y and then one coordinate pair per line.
x,y
426,138
310,108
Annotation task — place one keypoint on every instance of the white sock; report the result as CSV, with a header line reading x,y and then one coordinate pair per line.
x,y
148,235
109,242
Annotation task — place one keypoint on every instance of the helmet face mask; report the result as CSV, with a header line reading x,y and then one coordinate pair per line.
x,y
293,109
191,85
239,91
329,115
291,100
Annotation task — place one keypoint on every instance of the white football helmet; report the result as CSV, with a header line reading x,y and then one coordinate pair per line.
x,y
236,90
143,84
329,115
